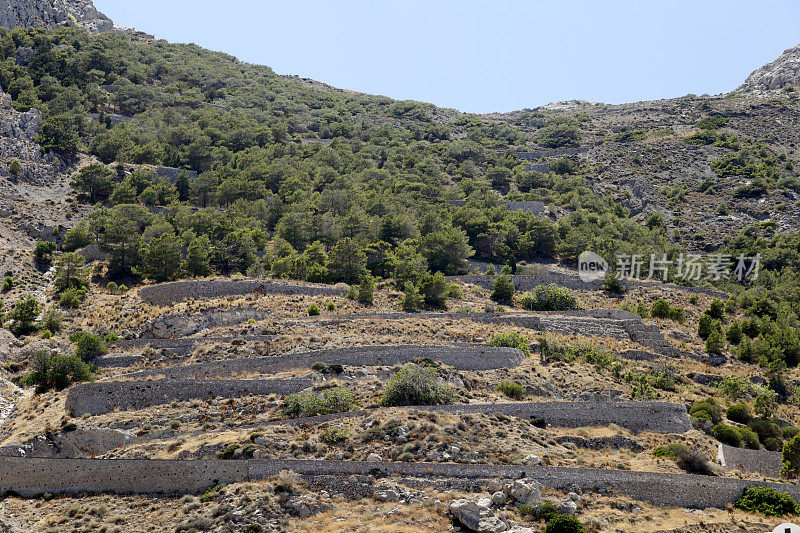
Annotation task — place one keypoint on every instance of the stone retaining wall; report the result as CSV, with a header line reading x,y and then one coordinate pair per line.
x,y
168,293
762,462
459,357
105,397
660,417
31,476
574,282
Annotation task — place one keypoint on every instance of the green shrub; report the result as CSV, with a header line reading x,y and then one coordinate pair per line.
x,y
53,371
772,444
333,400
735,387
23,316
366,289
673,450
549,298
8,284
313,310
88,346
749,438
330,306
511,389
51,319
739,413
789,432
707,325
527,511
434,290
710,407
767,501
791,457
413,301
43,251
613,284
662,309
546,511
766,403
765,429
715,344
72,297
14,168
734,334
564,524
335,436
727,435
511,340
415,385
503,290
112,287
716,309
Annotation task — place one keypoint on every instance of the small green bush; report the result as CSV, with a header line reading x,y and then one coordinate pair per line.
x,y
333,400
765,429
330,306
51,319
415,385
789,432
549,298
313,310
71,298
8,284
511,340
727,435
673,450
53,371
366,289
335,436
564,524
715,344
503,290
749,438
662,309
88,346
413,301
711,407
773,444
767,501
716,309
739,413
511,389
707,325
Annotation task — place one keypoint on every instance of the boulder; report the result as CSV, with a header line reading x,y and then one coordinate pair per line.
x,y
477,515
525,491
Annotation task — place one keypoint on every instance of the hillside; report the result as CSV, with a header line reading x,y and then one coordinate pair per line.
x,y
238,301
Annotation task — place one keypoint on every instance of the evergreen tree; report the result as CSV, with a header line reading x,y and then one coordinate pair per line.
x,y
96,181
198,256
162,258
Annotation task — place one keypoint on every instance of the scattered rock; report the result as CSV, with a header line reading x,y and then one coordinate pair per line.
x,y
477,515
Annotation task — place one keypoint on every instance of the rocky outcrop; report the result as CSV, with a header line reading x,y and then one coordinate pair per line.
x,y
782,72
53,13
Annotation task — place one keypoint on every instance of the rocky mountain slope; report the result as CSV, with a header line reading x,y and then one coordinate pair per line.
x,y
782,72
52,13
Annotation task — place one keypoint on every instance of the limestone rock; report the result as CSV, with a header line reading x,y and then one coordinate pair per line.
x,y
782,72
567,507
477,515
525,491
374,458
53,13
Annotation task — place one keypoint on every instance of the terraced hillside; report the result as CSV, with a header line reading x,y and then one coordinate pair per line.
x,y
239,405
237,301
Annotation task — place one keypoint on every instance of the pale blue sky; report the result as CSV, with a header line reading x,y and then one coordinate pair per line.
x,y
484,56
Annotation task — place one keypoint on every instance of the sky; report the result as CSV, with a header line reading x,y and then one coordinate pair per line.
x,y
487,56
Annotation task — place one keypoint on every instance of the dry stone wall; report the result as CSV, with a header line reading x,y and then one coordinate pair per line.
x,y
762,462
168,293
574,282
31,476
459,357
105,397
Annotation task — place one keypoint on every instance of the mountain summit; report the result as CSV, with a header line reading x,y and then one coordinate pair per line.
x,y
782,72
52,13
